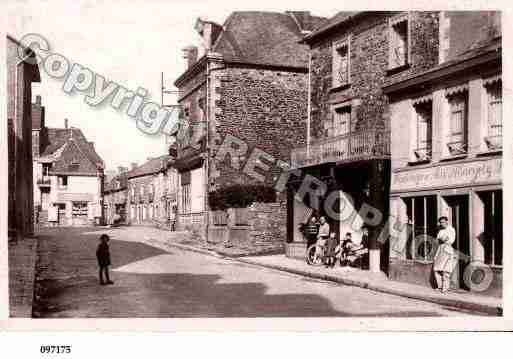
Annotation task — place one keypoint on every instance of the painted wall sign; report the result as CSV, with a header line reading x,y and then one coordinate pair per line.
x,y
469,173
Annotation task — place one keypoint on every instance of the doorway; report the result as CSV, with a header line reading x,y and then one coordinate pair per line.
x,y
458,214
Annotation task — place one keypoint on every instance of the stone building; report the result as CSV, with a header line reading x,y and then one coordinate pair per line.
x,y
151,189
347,155
249,84
21,73
68,173
446,148
115,197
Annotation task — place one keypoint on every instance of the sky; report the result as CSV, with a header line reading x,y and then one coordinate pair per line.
x,y
132,43
129,42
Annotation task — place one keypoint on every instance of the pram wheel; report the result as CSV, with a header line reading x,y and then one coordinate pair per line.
x,y
315,255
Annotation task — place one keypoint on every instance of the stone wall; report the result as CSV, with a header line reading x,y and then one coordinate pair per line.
x,y
264,229
368,68
266,108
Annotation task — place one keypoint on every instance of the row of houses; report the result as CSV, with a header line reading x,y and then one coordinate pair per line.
x,y
398,111
55,176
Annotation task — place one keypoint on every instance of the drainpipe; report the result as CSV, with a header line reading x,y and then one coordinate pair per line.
x,y
309,106
207,149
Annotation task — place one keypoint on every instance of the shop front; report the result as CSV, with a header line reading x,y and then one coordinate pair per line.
x,y
469,194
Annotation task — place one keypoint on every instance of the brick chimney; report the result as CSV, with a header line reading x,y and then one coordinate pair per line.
x,y
66,123
209,31
190,54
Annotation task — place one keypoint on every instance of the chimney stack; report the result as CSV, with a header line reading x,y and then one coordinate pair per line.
x,y
209,31
66,123
122,169
38,100
134,165
190,53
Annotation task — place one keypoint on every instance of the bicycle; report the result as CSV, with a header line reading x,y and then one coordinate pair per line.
x,y
316,254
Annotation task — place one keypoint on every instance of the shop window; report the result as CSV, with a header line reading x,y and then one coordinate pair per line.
x,y
341,63
423,228
424,125
493,137
458,119
398,43
79,209
492,235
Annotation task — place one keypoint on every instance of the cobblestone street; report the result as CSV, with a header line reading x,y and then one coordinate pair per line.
x,y
152,282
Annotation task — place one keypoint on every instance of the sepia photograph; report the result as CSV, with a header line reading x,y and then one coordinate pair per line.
x,y
175,160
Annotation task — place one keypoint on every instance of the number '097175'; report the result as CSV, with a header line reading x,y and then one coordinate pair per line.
x,y
55,349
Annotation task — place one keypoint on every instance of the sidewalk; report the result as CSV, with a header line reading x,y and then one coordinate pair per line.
x,y
22,266
364,279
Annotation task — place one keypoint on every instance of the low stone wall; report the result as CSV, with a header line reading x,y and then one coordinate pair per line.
x,y
260,227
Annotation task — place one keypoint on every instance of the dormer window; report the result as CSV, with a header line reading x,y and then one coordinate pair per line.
x,y
341,63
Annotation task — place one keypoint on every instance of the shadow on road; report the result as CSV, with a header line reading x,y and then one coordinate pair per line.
x,y
68,287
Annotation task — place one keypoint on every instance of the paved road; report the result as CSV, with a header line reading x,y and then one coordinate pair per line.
x,y
150,282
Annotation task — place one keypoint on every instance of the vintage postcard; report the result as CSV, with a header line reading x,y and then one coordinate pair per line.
x,y
296,167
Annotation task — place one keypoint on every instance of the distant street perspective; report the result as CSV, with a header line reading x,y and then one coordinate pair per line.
x,y
151,282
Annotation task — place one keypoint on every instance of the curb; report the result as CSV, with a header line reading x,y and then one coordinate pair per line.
x,y
378,287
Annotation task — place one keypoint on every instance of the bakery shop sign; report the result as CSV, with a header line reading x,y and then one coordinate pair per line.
x,y
470,173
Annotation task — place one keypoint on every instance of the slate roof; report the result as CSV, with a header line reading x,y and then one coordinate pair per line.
x,y
74,154
151,166
332,23
268,38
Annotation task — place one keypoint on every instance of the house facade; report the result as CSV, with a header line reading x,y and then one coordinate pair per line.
x,y
446,148
152,193
21,73
115,197
249,85
68,173
347,153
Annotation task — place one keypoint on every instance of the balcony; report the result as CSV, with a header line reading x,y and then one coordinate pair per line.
x,y
356,146
44,181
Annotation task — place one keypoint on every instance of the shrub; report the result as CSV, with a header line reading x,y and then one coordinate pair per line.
x,y
240,196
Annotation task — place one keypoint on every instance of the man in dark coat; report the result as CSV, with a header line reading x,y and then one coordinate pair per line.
x,y
103,256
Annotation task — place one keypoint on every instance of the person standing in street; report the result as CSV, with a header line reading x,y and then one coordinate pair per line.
x,y
103,256
444,260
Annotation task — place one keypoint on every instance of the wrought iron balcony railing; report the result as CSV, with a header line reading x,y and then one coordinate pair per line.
x,y
356,146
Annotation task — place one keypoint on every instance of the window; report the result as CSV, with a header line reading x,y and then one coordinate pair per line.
x,y
186,198
79,209
341,63
424,123
492,234
398,43
494,115
341,121
141,190
423,227
46,168
457,137
63,182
